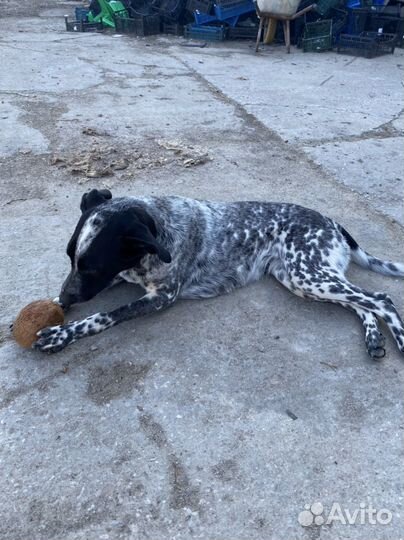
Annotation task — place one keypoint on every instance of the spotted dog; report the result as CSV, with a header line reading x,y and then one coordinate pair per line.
x,y
183,248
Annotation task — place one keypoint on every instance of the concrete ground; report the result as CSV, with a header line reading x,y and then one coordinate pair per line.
x,y
220,419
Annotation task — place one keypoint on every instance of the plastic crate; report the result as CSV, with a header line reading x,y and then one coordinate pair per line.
x,y
174,29
203,18
205,33
369,44
357,20
317,36
339,22
374,4
324,6
242,32
233,9
169,10
391,24
353,4
139,25
81,14
203,6
81,26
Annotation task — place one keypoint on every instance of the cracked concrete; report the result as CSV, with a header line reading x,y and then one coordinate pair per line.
x,y
218,419
316,112
378,179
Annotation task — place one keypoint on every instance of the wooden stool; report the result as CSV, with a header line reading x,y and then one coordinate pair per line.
x,y
264,20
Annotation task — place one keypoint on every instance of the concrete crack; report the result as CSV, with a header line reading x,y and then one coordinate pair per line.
x,y
383,131
265,134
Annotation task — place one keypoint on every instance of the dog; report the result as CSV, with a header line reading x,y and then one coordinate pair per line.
x,y
177,247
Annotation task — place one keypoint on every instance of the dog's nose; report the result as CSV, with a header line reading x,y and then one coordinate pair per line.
x,y
65,300
70,292
58,301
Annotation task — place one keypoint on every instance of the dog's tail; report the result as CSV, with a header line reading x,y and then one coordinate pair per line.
x,y
365,260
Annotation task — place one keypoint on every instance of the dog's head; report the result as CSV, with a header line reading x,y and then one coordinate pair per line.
x,y
106,241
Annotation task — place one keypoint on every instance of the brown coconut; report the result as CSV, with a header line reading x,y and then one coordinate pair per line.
x,y
34,317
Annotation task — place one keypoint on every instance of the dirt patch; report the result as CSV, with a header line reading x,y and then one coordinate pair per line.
x,y
226,470
153,430
182,493
119,380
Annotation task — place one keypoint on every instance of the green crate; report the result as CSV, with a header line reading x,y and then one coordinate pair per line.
x,y
140,25
317,36
324,6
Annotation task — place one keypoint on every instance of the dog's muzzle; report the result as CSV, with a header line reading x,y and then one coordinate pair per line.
x,y
71,290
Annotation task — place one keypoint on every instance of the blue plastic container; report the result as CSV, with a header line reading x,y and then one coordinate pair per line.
x,y
233,9
205,33
357,19
353,4
203,18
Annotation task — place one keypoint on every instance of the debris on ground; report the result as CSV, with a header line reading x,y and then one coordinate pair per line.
x,y
94,132
331,366
105,160
94,163
291,414
189,155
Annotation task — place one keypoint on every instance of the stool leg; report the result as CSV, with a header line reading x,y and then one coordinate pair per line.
x,y
285,37
259,32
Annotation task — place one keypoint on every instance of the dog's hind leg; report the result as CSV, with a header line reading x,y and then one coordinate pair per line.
x,y
333,287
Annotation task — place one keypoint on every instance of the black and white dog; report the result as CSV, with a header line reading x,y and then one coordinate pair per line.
x,y
183,248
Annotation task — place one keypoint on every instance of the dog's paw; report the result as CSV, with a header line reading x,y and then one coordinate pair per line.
x,y
375,343
54,338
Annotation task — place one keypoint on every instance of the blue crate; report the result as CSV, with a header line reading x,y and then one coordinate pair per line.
x,y
203,6
81,14
231,10
356,22
205,33
203,18
353,4
232,21
364,3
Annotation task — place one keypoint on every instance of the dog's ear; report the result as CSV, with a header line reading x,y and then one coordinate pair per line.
x,y
141,237
94,198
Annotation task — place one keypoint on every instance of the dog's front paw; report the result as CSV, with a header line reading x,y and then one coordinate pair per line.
x,y
54,338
